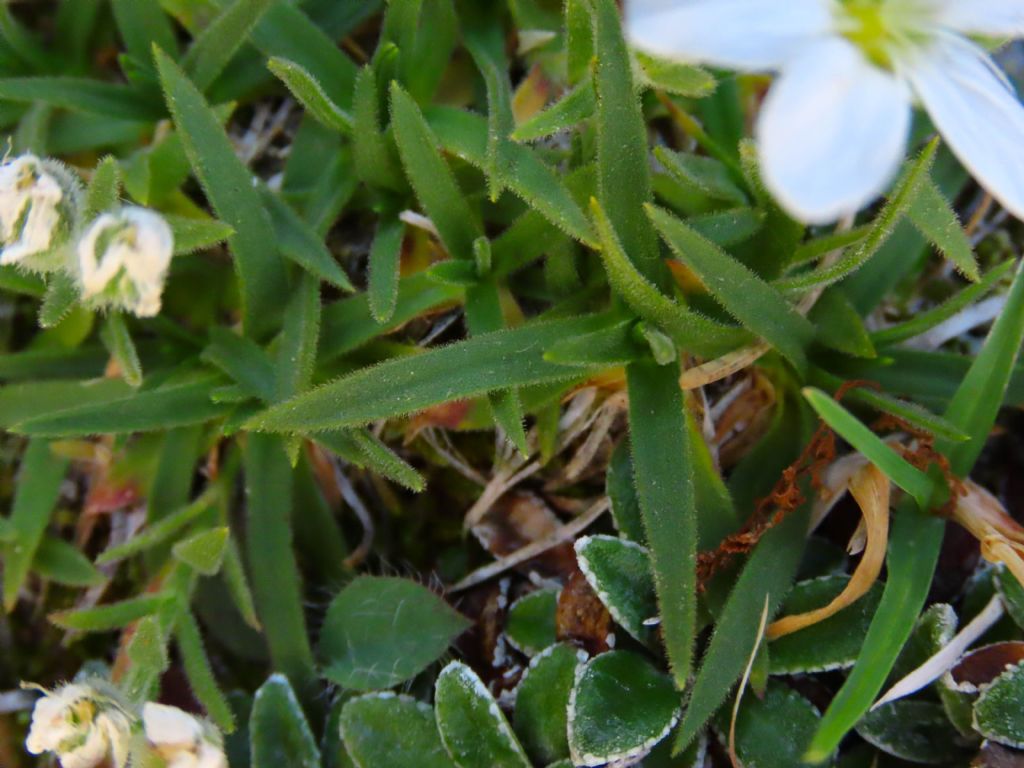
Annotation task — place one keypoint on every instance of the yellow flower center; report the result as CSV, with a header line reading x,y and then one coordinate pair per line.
x,y
883,28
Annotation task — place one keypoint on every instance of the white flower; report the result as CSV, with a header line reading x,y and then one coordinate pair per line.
x,y
39,202
82,726
180,739
833,129
123,259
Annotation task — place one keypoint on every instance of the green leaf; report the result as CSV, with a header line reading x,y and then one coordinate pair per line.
x,y
425,32
278,731
105,618
729,227
431,178
83,95
473,730
192,235
361,448
689,329
703,174
839,326
104,188
612,346
664,483
931,213
917,731
623,167
768,573
117,338
772,731
311,95
1012,593
896,468
620,708
997,712
228,185
243,360
147,647
830,644
200,676
217,44
542,701
922,322
384,262
744,295
374,162
573,108
495,361
382,730
143,23
174,405
674,76
619,571
59,561
37,491
203,551
62,295
530,625
381,631
272,567
297,345
625,506
899,202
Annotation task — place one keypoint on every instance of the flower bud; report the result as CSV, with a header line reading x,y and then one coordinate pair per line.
x,y
39,205
123,259
82,726
182,740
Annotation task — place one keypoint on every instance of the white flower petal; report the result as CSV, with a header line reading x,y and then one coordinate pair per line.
x,y
171,726
737,34
977,115
832,132
983,17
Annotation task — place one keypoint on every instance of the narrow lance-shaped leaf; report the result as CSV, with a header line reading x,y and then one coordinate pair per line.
x,y
500,360
39,481
624,181
431,178
687,328
307,90
228,184
899,470
272,568
744,295
664,484
217,43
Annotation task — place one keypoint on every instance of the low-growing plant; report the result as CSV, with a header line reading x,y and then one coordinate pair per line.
x,y
458,384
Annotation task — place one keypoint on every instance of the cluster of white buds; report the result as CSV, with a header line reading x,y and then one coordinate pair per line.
x,y
119,259
82,725
86,725
39,208
123,259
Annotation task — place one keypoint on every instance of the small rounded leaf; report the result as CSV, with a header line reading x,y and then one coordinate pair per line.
x,y
998,714
531,621
473,729
619,571
381,631
541,703
620,708
384,730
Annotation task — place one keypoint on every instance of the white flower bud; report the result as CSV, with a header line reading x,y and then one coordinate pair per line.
x,y
182,740
82,726
123,259
39,204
